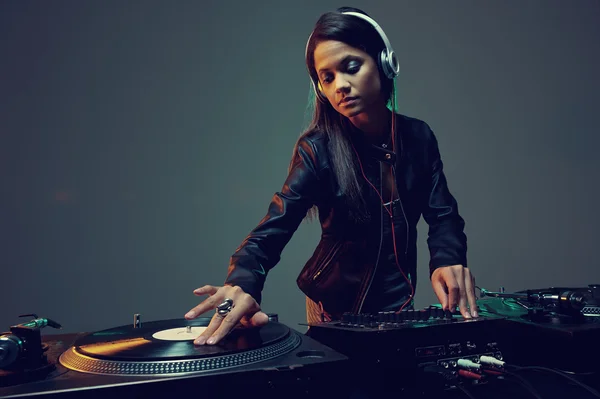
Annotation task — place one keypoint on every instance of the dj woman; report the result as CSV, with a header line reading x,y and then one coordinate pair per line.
x,y
368,173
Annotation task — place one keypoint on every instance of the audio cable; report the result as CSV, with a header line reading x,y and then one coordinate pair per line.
x,y
465,391
472,370
499,363
560,373
491,365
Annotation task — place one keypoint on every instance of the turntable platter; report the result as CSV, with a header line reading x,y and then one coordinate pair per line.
x,y
167,347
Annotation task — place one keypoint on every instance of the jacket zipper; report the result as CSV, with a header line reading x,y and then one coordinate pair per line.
x,y
403,213
327,261
407,228
362,301
381,230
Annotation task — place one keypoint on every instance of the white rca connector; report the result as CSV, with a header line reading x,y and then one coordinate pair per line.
x,y
467,364
492,361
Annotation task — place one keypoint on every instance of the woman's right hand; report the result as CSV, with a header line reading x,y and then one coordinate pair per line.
x,y
245,310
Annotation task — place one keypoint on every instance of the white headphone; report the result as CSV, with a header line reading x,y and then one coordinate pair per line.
x,y
388,60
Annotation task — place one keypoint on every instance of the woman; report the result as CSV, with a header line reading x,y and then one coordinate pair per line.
x,y
369,173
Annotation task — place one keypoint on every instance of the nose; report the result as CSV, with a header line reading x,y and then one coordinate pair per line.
x,y
341,85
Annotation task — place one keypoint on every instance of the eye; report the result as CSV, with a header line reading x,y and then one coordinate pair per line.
x,y
327,78
353,67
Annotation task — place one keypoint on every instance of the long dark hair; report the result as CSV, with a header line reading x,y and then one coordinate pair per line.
x,y
360,34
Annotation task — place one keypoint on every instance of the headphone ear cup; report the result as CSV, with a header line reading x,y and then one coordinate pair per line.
x,y
389,64
319,91
385,66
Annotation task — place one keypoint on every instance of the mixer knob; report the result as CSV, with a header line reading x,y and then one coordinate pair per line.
x,y
366,319
400,316
347,317
410,314
447,315
380,317
426,313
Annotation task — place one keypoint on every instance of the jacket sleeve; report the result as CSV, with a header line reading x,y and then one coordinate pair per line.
x,y
261,250
447,241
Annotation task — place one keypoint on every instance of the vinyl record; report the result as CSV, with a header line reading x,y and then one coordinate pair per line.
x,y
167,347
147,343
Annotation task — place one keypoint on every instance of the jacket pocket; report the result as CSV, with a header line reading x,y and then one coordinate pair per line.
x,y
325,265
319,264
333,275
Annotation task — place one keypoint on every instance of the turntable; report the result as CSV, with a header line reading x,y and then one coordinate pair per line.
x,y
159,358
555,327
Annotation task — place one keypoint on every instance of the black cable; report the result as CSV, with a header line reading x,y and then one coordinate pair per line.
x,y
523,382
465,391
581,373
574,380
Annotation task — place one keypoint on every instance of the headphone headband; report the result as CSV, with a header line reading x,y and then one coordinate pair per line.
x,y
374,24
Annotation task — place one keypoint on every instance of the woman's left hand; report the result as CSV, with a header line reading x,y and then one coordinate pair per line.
x,y
455,286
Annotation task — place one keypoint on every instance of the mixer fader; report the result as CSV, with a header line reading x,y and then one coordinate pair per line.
x,y
392,319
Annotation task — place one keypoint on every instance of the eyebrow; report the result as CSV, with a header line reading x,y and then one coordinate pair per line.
x,y
344,60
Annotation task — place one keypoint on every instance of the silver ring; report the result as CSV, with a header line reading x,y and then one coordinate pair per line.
x,y
225,307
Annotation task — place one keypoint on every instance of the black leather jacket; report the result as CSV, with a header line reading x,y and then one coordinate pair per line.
x,y
341,269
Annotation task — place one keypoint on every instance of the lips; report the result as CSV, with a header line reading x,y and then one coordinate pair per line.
x,y
347,99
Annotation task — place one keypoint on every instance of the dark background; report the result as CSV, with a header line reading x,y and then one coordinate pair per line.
x,y
140,141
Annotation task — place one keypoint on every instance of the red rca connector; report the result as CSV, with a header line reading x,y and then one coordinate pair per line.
x,y
469,374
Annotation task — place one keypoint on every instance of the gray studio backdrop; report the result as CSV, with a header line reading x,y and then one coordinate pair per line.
x,y
140,141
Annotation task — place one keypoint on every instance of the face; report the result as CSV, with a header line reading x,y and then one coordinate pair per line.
x,y
349,78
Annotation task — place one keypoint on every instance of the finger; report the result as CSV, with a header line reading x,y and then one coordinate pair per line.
x,y
228,322
440,291
256,320
214,324
206,290
204,306
453,291
470,288
459,274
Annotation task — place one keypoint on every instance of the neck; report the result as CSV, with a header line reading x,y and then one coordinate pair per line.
x,y
375,124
